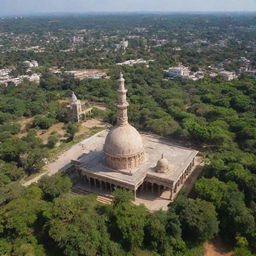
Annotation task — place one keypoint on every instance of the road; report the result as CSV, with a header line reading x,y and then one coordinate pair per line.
x,y
64,160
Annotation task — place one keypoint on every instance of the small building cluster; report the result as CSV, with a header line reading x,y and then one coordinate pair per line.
x,y
87,73
181,71
6,78
134,62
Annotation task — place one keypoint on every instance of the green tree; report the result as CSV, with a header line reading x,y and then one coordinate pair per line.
x,y
122,196
43,122
129,222
52,140
33,161
212,190
54,186
198,219
72,129
77,228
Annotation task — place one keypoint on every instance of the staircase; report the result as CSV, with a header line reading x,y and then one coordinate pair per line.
x,y
104,200
100,198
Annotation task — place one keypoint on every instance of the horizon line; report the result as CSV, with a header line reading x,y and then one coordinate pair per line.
x,y
120,13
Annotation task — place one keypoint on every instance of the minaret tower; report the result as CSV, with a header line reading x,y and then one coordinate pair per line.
x,y
122,104
123,148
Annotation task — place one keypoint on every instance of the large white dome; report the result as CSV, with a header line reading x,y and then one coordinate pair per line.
x,y
123,140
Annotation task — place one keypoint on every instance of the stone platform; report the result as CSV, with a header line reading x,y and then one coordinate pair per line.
x,y
93,170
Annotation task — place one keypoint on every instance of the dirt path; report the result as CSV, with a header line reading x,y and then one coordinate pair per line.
x,y
216,248
85,126
24,122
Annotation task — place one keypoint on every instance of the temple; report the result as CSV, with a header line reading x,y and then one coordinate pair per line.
x,y
123,158
77,109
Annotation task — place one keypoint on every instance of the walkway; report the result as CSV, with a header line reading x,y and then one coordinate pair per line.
x,y
64,160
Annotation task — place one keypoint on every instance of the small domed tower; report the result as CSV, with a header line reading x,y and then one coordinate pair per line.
x,y
162,165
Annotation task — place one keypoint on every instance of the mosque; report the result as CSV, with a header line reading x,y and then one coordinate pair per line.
x,y
123,158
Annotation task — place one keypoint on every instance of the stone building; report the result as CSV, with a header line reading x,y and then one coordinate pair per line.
x,y
77,109
178,71
123,158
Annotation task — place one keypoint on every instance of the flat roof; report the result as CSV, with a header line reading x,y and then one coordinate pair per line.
x,y
179,159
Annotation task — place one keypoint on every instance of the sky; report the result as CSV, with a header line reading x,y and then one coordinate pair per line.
x,y
15,7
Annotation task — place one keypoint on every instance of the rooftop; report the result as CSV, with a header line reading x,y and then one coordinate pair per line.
x,y
179,157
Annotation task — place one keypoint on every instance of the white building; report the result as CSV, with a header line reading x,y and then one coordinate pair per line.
x,y
123,45
35,78
178,71
134,62
30,64
4,73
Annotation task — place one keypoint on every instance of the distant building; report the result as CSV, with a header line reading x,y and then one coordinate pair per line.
x,y
228,76
78,39
161,42
87,73
77,109
133,62
212,75
6,78
4,73
55,70
30,64
178,71
34,63
35,78
123,45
